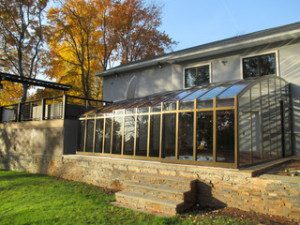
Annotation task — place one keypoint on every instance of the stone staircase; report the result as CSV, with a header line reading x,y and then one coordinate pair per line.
x,y
166,195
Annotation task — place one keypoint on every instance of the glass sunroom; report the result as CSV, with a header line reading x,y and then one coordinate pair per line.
x,y
230,124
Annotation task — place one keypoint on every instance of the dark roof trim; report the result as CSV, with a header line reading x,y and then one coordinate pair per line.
x,y
286,32
34,82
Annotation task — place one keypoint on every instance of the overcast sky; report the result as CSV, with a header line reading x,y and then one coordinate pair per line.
x,y
194,22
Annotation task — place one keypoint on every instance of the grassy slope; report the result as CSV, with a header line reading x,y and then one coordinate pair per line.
x,y
37,199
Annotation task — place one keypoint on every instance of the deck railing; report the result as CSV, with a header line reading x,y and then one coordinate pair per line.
x,y
61,107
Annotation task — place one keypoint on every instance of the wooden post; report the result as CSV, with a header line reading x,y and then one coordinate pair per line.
x,y
18,116
43,103
1,114
64,112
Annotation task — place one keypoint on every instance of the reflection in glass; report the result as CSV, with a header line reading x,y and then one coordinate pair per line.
x,y
204,104
244,138
196,76
80,143
225,102
186,105
259,65
265,119
213,92
204,150
185,138
117,135
169,124
169,106
141,135
107,138
154,135
255,117
129,135
225,136
234,90
99,135
90,136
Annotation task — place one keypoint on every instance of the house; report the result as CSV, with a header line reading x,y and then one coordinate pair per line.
x,y
226,103
199,125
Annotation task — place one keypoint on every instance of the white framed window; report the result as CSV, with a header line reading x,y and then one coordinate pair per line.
x,y
259,65
197,75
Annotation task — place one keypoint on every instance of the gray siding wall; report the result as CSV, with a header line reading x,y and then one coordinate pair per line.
x,y
290,70
170,77
141,83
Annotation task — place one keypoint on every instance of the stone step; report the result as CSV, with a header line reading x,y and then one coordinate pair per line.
x,y
150,203
168,181
161,191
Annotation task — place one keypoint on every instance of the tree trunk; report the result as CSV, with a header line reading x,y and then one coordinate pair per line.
x,y
24,94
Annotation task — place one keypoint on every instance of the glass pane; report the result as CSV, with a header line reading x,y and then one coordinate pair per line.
x,y
186,105
129,111
233,90
225,102
190,77
156,108
107,138
185,139
204,149
117,135
169,122
90,136
154,135
213,92
169,106
244,138
259,65
129,135
143,110
99,135
255,117
250,67
196,94
81,131
204,104
225,136
197,76
141,135
265,119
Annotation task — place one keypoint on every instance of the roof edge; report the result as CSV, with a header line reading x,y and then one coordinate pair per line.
x,y
292,29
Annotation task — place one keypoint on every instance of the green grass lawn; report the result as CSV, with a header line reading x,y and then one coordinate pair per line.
x,y
37,199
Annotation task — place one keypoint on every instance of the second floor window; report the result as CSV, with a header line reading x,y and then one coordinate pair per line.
x,y
258,66
196,76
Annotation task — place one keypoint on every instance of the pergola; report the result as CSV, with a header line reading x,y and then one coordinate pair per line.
x,y
31,81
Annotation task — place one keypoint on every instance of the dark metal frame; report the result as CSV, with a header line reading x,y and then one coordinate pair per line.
x,y
35,82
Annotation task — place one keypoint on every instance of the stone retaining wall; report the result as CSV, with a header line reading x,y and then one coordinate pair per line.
x,y
269,194
38,147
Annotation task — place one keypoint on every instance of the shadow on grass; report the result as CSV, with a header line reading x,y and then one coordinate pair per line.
x,y
14,176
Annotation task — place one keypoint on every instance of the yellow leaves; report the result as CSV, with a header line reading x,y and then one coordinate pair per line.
x,y
85,35
10,93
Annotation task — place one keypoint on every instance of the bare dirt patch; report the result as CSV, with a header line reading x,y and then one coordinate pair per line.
x,y
253,217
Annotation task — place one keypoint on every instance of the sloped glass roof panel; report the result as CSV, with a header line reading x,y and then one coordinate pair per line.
x,y
234,89
213,92
222,91
197,93
184,94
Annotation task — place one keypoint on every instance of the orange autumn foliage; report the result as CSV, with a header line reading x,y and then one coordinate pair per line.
x,y
86,36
